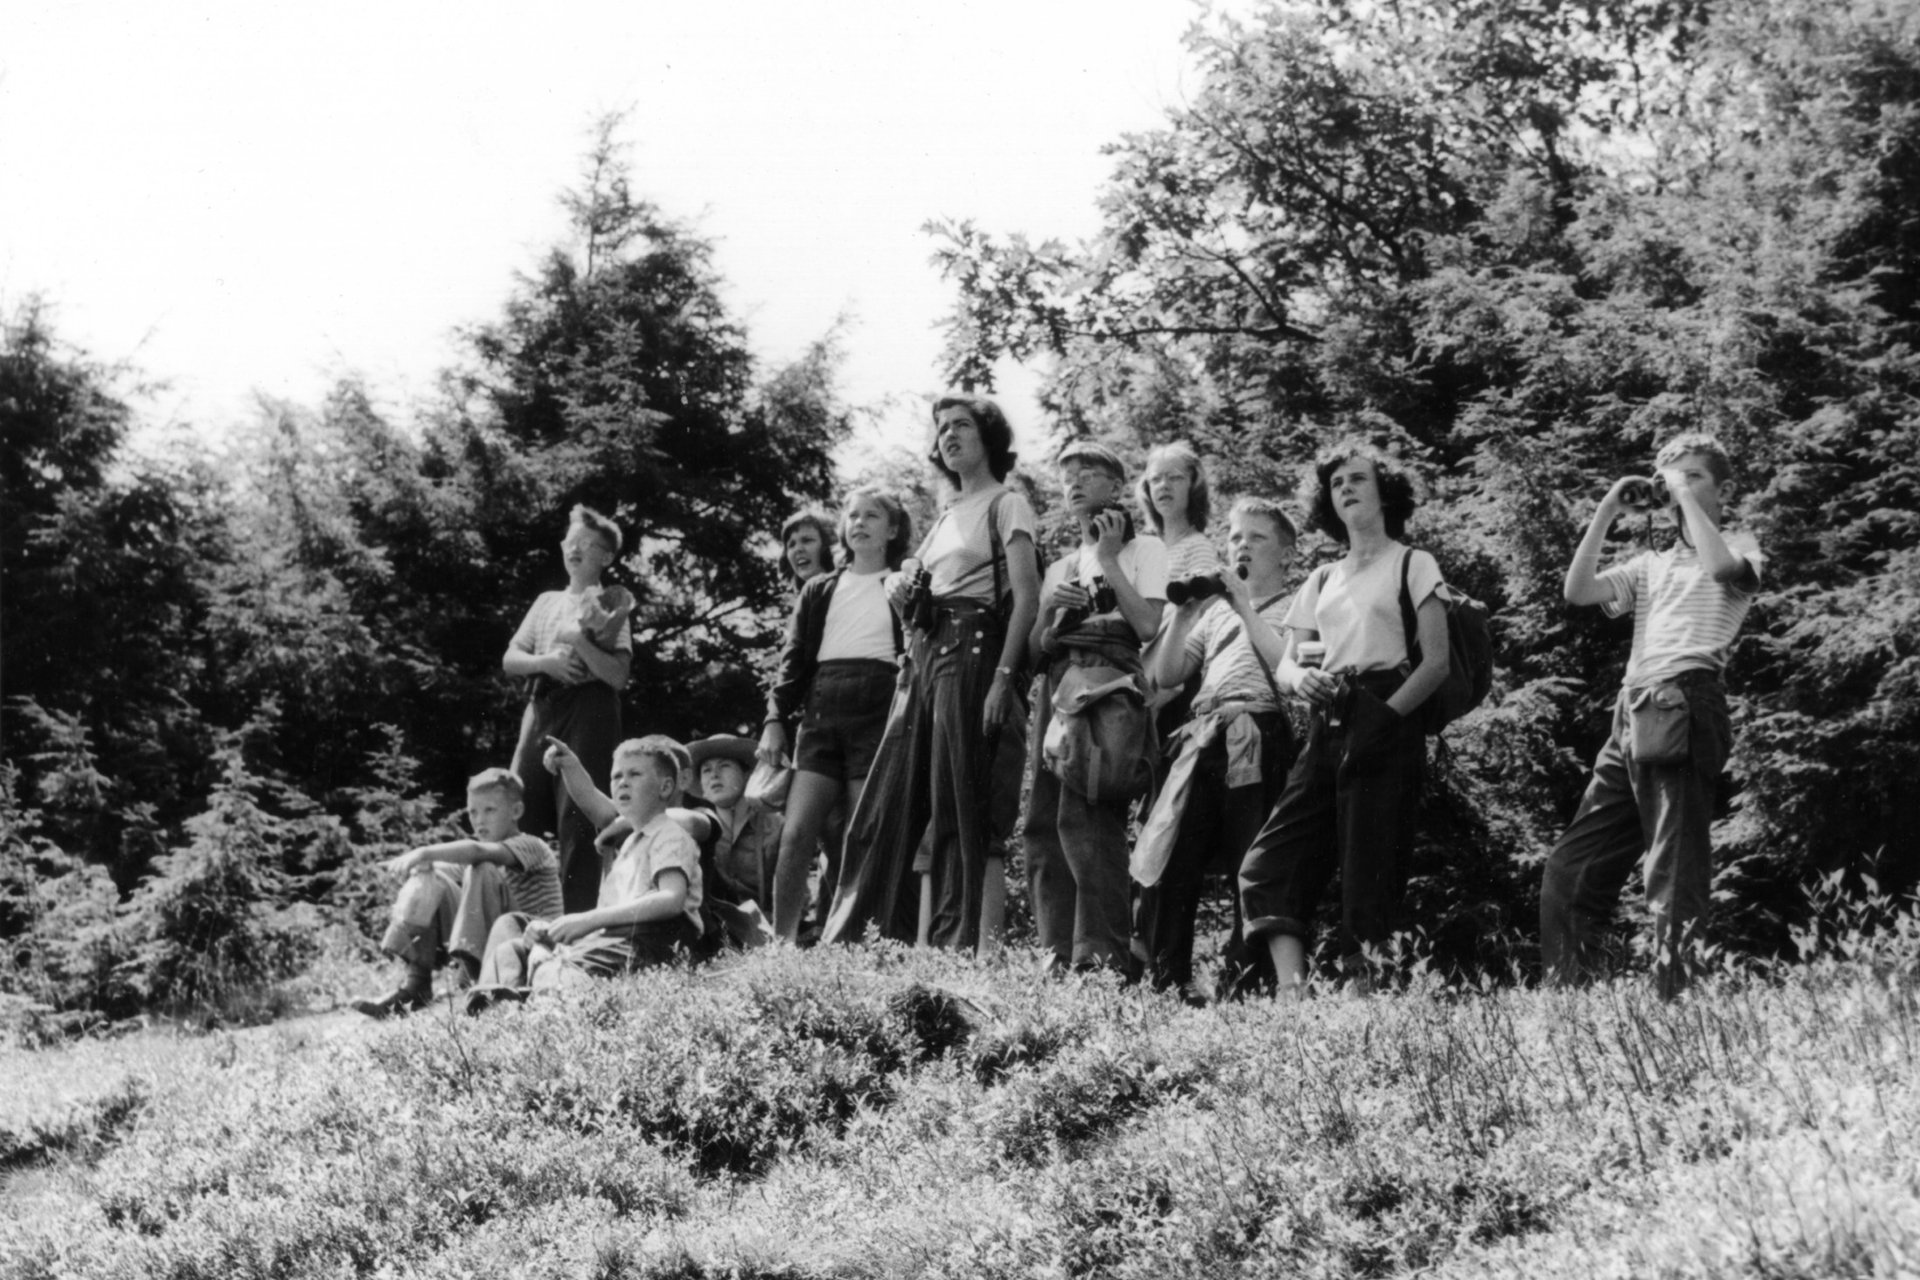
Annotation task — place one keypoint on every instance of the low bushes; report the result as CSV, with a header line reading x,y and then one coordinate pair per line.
x,y
879,1113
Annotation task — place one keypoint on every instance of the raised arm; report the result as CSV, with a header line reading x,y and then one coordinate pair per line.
x,y
594,803
1141,612
1171,665
1583,583
1716,557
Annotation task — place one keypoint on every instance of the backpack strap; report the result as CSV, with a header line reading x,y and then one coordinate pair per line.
x,y
1409,624
998,551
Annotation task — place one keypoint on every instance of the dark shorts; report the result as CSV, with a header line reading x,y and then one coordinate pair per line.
x,y
845,719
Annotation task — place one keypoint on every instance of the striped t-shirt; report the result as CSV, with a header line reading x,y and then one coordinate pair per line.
x,y
1231,670
1683,620
533,881
1193,556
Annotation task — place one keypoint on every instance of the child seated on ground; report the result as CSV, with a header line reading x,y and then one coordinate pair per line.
x,y
649,906
748,847
452,893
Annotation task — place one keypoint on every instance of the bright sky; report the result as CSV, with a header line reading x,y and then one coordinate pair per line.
x,y
241,196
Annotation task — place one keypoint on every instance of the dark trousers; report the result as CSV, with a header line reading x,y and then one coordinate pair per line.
x,y
1217,827
1351,803
1658,816
587,718
929,789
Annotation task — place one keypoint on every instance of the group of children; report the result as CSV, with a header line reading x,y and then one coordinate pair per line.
x,y
1270,730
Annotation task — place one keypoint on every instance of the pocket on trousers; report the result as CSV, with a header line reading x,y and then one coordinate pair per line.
x,y
1659,725
1372,729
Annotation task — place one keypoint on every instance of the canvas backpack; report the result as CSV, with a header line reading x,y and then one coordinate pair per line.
x,y
1469,651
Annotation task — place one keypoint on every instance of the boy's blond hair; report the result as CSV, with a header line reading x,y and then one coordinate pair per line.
x,y
1704,443
666,754
505,781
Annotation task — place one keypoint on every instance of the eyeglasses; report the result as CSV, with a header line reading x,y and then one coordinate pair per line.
x,y
585,544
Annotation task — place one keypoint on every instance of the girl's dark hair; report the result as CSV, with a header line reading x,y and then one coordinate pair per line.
x,y
996,435
822,525
902,522
1399,490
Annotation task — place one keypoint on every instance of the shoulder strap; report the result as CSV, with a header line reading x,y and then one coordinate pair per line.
x,y
1261,658
1409,624
997,549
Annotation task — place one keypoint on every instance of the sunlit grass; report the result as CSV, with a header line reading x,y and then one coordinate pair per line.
x,y
851,1113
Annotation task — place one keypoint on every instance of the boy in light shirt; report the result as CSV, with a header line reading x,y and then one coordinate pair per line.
x,y
649,907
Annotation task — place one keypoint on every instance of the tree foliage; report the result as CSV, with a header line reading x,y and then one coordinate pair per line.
x,y
354,579
1525,243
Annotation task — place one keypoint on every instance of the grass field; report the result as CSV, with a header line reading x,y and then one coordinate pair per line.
x,y
852,1113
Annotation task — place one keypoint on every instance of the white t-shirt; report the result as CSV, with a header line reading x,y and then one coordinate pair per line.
x,y
859,620
1357,615
1144,561
957,551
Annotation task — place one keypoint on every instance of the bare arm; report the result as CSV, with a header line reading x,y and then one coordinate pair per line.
x,y
1171,665
1025,579
1141,612
465,853
1716,557
1584,585
667,898
1434,658
594,804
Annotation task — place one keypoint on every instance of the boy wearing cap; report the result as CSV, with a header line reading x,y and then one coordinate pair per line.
x,y
1076,845
748,845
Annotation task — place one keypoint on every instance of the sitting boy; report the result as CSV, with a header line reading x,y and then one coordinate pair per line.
x,y
1233,753
649,907
1650,800
453,892
748,845
1076,845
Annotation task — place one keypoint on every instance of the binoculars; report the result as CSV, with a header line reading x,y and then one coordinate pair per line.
x,y
1187,590
920,600
1650,494
1104,601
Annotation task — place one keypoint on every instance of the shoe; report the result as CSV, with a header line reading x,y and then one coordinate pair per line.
x,y
480,999
398,1005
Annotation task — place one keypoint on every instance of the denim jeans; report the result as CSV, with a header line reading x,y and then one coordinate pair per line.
x,y
1656,815
926,806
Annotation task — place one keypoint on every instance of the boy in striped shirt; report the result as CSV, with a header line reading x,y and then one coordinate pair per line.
x,y
1650,799
452,893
